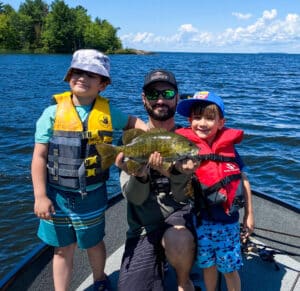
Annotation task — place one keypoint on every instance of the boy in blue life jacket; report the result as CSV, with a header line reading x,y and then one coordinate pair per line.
x,y
219,189
69,184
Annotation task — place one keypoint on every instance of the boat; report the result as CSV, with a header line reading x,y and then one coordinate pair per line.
x,y
271,255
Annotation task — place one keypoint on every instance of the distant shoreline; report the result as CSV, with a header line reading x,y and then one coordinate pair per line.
x,y
127,51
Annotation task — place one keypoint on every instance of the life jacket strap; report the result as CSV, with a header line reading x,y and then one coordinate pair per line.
x,y
73,173
217,186
63,160
93,134
55,171
217,158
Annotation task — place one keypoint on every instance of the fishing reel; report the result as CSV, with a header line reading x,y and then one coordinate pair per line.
x,y
265,254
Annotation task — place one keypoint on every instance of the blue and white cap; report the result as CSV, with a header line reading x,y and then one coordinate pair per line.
x,y
89,60
184,107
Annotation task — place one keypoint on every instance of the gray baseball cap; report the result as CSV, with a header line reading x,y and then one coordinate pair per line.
x,y
160,75
89,60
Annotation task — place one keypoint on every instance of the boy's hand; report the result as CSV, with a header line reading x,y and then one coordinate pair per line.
x,y
248,224
43,208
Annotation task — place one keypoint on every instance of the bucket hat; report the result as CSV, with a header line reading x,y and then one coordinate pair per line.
x,y
89,60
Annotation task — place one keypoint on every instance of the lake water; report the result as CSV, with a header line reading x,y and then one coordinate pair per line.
x,y
261,93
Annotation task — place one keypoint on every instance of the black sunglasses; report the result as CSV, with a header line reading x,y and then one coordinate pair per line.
x,y
153,95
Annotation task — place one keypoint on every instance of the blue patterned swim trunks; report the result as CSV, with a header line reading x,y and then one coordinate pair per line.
x,y
219,244
77,219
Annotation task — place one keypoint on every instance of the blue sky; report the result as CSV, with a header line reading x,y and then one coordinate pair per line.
x,y
200,25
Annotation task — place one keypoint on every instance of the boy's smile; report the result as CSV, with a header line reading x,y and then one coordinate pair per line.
x,y
206,128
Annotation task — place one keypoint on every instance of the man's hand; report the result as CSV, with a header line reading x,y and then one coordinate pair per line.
x,y
187,166
141,171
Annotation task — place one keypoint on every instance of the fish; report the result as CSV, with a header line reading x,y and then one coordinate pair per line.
x,y
138,145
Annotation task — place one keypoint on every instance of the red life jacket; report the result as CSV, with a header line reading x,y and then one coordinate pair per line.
x,y
219,174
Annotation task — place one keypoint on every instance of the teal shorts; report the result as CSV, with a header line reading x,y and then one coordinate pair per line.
x,y
78,219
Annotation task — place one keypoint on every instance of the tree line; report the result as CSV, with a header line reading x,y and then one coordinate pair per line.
x,y
56,28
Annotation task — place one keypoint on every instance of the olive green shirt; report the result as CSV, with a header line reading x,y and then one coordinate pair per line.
x,y
146,210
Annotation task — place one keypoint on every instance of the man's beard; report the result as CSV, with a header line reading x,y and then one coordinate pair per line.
x,y
160,116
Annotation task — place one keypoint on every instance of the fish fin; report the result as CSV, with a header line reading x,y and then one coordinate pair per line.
x,y
157,130
107,153
130,134
166,165
133,166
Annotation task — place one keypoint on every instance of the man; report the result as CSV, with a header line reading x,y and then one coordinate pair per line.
x,y
158,212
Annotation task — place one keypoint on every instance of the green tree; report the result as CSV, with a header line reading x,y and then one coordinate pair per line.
x,y
10,29
34,13
55,28
81,22
59,33
102,35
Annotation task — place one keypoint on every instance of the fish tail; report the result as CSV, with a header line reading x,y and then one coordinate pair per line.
x,y
108,154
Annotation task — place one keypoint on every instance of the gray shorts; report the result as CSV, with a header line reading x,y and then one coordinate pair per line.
x,y
143,259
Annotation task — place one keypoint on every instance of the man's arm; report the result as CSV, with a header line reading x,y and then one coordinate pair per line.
x,y
135,122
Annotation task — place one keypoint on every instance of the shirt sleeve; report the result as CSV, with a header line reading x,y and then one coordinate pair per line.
x,y
133,190
239,160
119,118
44,125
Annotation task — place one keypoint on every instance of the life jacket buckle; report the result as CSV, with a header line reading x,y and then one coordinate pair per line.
x,y
91,160
90,172
86,134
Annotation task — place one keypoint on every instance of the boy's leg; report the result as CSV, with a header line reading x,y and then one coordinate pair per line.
x,y
233,281
62,266
210,278
97,258
229,258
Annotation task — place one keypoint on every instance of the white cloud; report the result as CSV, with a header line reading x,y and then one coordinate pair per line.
x,y
266,33
270,14
187,28
242,16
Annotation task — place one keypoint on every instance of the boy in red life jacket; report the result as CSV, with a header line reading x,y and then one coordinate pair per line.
x,y
222,186
69,184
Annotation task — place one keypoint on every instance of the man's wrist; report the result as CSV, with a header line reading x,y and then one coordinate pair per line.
x,y
174,171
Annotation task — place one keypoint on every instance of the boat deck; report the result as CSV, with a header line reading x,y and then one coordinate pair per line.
x,y
256,274
278,229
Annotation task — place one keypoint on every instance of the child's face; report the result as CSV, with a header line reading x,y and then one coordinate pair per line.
x,y
86,84
206,125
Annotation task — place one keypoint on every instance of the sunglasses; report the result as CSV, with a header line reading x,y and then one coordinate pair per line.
x,y
78,72
166,94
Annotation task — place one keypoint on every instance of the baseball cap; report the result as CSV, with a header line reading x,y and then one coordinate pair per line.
x,y
89,60
184,107
160,75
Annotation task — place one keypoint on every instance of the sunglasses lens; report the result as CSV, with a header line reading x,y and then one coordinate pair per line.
x,y
167,94
152,95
